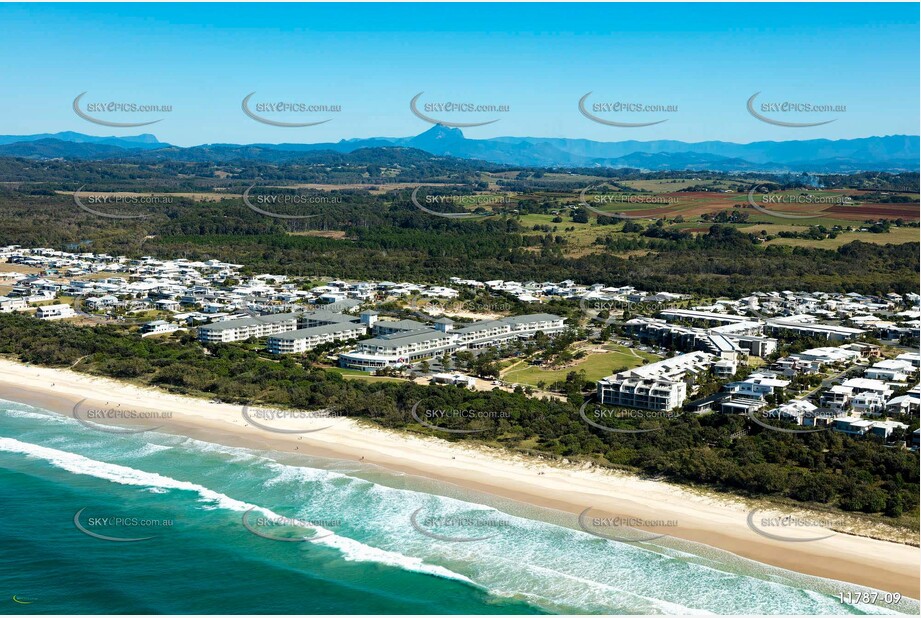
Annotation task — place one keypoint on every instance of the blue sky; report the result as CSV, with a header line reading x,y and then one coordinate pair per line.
x,y
537,59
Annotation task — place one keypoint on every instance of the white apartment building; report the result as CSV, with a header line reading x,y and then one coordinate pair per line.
x,y
828,332
303,339
657,386
408,341
398,349
8,304
55,312
492,332
242,329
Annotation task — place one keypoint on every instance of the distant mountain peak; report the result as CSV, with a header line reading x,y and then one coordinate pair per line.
x,y
440,131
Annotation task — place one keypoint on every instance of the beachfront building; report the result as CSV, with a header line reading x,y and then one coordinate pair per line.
x,y
493,332
454,379
658,386
398,349
158,327
55,312
303,339
241,329
406,342
857,427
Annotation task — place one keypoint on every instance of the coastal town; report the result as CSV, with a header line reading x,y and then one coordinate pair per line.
x,y
844,362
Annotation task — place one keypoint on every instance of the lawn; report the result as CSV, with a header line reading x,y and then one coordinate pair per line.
x,y
596,365
351,374
895,236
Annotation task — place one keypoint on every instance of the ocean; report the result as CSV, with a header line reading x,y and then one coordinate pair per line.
x,y
101,523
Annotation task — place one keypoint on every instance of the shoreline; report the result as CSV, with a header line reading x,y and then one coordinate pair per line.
x,y
706,519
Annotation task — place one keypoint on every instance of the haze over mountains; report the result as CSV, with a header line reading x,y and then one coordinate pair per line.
x,y
892,153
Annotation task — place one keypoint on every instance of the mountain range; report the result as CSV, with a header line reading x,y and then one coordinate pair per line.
x,y
893,153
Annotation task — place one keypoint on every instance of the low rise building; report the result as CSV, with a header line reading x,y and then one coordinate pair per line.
x,y
55,312
241,329
304,339
657,386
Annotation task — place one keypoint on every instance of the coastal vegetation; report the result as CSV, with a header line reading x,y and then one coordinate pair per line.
x,y
722,452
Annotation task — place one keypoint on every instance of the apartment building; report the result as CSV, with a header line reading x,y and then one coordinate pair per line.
x,y
658,386
303,339
398,349
55,312
241,329
406,343
797,328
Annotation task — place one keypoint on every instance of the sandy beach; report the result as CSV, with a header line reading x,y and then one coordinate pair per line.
x,y
720,523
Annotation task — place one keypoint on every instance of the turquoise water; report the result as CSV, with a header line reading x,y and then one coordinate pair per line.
x,y
367,555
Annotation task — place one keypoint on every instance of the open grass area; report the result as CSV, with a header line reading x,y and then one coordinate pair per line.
x,y
596,365
895,236
351,374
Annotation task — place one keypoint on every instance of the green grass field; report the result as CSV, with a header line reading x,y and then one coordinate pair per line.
x,y
595,365
896,236
351,374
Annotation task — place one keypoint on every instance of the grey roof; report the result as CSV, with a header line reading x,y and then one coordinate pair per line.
x,y
228,324
398,339
302,333
328,316
406,325
533,317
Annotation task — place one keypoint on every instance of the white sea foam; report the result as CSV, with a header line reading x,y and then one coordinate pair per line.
x,y
78,464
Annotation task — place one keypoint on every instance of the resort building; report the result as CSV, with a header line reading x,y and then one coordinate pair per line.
x,y
303,339
241,329
657,386
398,349
407,341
